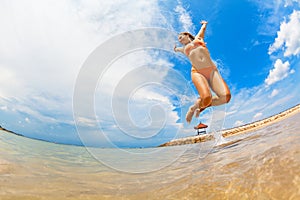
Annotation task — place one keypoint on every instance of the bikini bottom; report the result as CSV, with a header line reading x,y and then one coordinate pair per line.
x,y
206,71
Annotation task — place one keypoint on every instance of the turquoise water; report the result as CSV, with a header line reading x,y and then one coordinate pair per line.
x,y
264,164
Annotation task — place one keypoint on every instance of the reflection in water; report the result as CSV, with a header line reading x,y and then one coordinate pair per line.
x,y
260,165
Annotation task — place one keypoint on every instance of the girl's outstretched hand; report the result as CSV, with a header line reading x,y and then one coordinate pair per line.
x,y
203,22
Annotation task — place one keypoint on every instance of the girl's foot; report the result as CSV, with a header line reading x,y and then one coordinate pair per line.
x,y
198,111
190,113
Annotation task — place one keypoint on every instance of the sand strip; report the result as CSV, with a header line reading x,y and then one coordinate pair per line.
x,y
236,130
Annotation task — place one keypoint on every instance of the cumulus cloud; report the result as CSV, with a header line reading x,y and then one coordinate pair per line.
x,y
288,36
184,17
279,72
141,99
46,44
250,101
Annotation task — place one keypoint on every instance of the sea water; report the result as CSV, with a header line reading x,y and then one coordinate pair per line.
x,y
264,164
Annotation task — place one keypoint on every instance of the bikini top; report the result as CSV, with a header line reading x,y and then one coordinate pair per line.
x,y
193,45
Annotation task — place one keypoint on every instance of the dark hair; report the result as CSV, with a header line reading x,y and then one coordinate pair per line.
x,y
187,33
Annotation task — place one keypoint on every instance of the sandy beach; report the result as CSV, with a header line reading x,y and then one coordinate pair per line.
x,y
236,130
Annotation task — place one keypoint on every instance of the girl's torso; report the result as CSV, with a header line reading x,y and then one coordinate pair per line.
x,y
198,54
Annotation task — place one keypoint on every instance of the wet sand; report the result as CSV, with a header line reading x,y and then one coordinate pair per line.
x,y
236,130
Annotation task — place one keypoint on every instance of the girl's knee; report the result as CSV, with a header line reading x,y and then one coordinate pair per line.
x,y
206,101
227,97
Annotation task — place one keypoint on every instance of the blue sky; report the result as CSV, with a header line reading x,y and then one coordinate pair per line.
x,y
44,45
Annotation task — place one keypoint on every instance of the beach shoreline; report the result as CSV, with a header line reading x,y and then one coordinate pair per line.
x,y
4,129
225,133
236,130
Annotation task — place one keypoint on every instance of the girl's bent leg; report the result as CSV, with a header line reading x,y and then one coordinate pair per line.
x,y
221,89
205,99
203,89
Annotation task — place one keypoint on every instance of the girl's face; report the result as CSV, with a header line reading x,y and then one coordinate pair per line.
x,y
183,39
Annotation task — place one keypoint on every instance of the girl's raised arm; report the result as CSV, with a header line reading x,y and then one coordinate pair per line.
x,y
202,30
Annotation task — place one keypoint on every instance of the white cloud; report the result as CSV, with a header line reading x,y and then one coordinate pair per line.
x,y
46,43
288,36
247,102
138,95
279,72
4,108
272,13
83,121
290,2
184,17
238,123
27,120
7,77
274,93
257,116
250,104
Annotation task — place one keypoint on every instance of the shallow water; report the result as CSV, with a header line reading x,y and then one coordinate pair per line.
x,y
264,164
